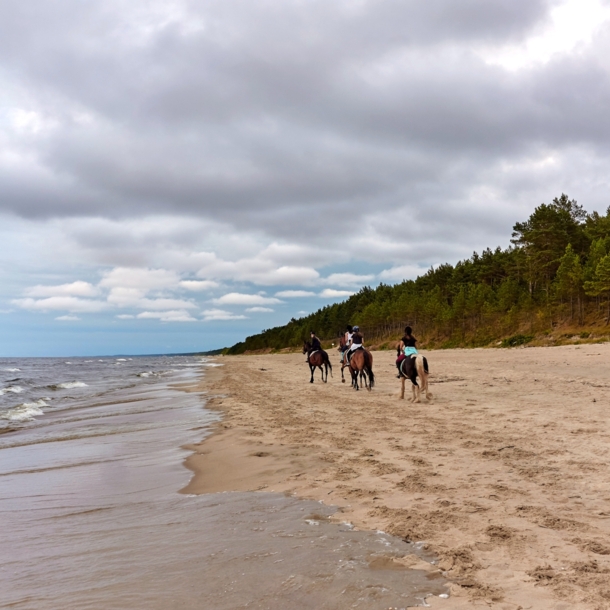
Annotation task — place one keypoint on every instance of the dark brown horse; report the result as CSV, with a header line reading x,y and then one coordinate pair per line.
x,y
317,359
360,365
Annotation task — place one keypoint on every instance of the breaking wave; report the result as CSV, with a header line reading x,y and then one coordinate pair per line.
x,y
15,389
68,385
25,412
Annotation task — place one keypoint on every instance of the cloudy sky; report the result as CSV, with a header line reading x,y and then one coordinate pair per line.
x,y
178,174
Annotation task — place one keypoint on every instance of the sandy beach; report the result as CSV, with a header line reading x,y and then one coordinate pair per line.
x,y
504,474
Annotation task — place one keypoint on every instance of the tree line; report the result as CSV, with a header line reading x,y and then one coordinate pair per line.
x,y
555,272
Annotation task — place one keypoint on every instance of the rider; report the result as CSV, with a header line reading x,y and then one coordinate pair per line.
x,y
348,341
407,347
315,344
357,339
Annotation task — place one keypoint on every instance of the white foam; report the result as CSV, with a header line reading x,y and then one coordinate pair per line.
x,y
12,370
15,389
212,364
25,412
147,374
121,359
68,385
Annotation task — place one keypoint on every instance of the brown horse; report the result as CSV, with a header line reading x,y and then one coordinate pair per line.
x,y
317,359
360,365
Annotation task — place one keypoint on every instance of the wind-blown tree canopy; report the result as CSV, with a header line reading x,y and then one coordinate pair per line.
x,y
557,270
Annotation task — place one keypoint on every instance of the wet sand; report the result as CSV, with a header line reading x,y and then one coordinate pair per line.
x,y
504,474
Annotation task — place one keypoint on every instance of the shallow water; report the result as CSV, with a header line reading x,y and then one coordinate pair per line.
x,y
91,517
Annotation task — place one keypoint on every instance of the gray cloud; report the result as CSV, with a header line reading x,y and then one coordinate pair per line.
x,y
295,120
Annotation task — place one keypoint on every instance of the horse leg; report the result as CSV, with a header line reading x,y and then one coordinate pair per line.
x,y
354,379
312,369
326,369
402,387
416,390
342,377
321,372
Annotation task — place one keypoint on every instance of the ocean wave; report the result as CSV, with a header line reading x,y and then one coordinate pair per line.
x,y
12,370
211,364
15,389
121,359
25,412
146,374
68,385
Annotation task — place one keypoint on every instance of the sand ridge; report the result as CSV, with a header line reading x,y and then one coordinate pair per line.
x,y
504,474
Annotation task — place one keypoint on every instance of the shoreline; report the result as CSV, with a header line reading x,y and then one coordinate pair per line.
x,y
502,474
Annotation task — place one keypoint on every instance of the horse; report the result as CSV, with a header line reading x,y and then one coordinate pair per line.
x,y
316,360
413,367
360,365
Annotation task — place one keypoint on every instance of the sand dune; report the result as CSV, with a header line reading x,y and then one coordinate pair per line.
x,y
504,474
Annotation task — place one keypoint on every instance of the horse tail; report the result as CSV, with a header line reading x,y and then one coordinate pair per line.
x,y
369,365
421,365
330,366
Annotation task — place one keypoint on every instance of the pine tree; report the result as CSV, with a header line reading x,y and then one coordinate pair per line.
x,y
568,280
600,285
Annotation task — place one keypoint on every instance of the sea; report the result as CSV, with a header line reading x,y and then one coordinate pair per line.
x,y
91,464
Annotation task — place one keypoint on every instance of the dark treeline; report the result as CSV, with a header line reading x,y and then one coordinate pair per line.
x,y
556,272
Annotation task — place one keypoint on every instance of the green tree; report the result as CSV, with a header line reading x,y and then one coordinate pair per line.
x,y
600,285
568,280
545,236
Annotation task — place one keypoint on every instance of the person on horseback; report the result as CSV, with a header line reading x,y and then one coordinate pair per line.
x,y
357,341
347,341
407,347
315,345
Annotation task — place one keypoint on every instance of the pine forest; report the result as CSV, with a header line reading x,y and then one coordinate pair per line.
x,y
551,284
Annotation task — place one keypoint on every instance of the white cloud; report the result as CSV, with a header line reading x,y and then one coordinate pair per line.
x,y
141,279
133,297
295,294
238,298
198,285
265,268
347,279
73,304
259,310
402,272
167,316
68,318
330,293
571,26
77,289
220,314
125,316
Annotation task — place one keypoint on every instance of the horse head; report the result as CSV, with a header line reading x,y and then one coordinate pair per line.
x,y
306,346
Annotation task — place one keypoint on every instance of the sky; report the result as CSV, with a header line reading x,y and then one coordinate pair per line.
x,y
176,174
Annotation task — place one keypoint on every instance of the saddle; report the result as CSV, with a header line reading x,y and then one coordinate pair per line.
x,y
315,351
350,353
